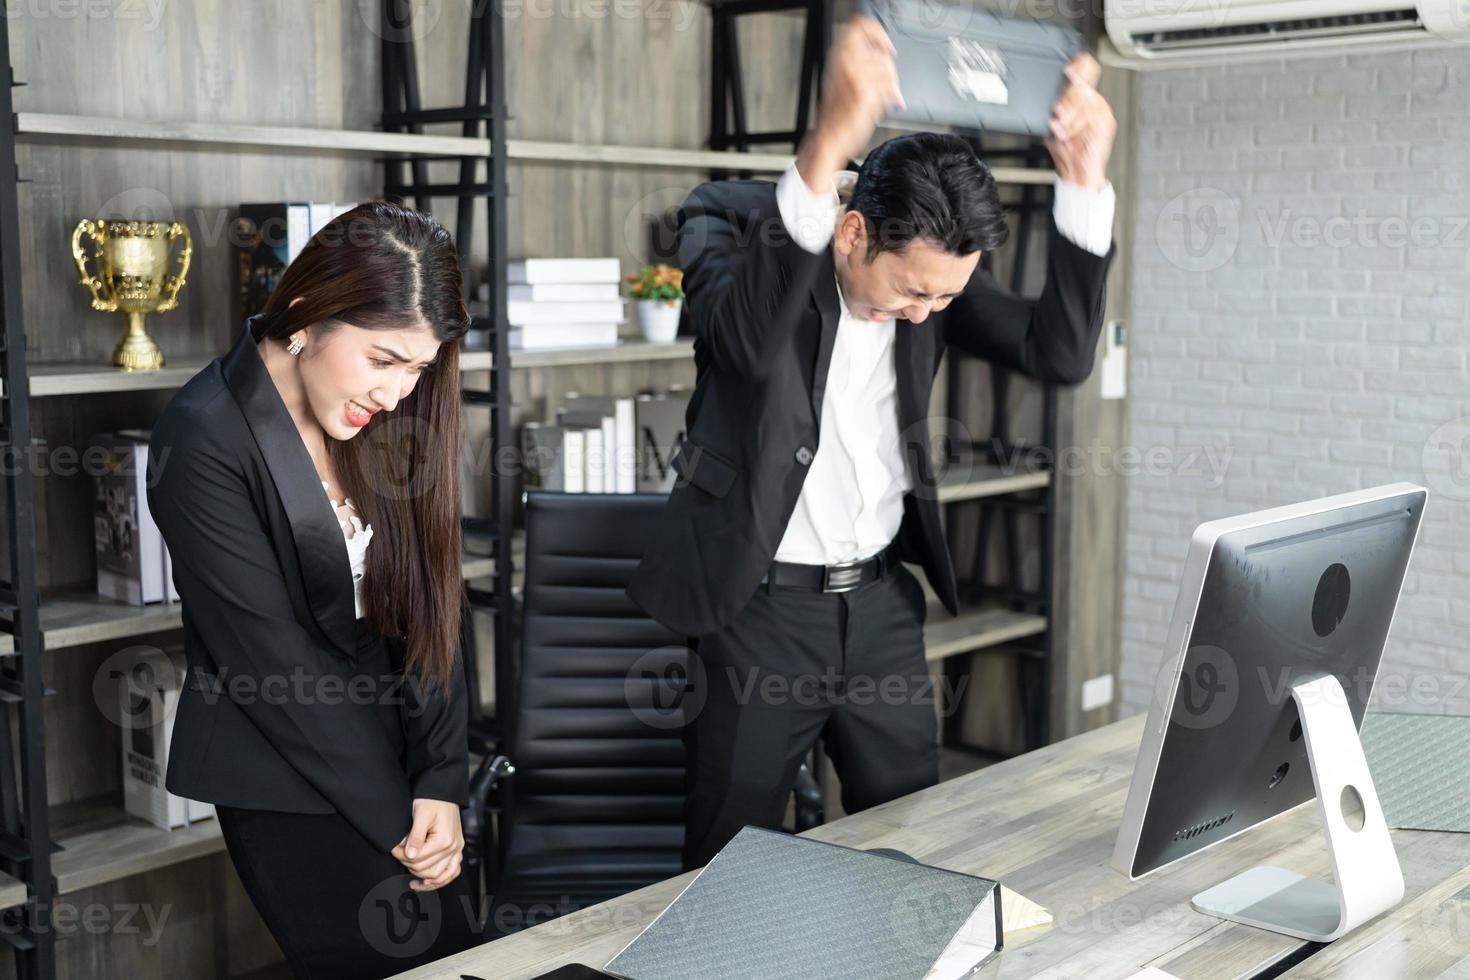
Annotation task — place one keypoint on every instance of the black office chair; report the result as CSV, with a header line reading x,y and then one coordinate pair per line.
x,y
594,807
591,792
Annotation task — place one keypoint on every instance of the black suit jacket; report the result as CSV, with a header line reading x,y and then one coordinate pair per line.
x,y
765,314
290,702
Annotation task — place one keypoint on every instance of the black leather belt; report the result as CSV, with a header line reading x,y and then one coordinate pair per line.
x,y
830,578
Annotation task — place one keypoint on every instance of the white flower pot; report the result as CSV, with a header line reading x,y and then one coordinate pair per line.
x,y
658,319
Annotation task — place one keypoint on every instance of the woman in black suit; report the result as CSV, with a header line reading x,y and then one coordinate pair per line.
x,y
307,486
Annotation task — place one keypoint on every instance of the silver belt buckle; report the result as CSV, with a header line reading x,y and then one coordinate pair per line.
x,y
842,578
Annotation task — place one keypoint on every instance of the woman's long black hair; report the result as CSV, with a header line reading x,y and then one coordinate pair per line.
x,y
380,266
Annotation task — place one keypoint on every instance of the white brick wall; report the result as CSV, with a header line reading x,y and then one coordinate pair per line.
x,y
1302,316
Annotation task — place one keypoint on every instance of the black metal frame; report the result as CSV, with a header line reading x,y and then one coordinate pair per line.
x,y
727,123
1000,446
25,838
484,104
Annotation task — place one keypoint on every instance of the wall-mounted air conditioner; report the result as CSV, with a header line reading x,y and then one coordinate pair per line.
x,y
1165,33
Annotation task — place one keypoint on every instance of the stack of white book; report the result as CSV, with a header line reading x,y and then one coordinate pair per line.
x,y
592,448
563,303
148,697
607,445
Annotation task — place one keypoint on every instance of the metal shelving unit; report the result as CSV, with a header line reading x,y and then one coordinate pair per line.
x,y
79,618
484,106
26,875
1028,495
103,128
90,378
728,126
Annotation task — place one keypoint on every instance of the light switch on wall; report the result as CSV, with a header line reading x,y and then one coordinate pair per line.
x,y
1097,692
1115,361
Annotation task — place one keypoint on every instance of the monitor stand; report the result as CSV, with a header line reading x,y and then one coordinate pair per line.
x,y
1367,879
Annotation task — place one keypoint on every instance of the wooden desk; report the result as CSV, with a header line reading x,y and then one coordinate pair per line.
x,y
1044,824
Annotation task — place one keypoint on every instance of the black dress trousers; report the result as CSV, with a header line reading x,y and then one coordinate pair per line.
x,y
338,907
793,665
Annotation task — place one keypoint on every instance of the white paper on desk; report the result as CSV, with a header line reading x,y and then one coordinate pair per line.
x,y
1152,973
971,947
960,957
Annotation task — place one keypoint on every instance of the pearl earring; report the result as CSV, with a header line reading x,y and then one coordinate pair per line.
x,y
296,345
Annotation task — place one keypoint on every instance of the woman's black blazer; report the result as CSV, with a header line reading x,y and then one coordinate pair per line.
x,y
290,702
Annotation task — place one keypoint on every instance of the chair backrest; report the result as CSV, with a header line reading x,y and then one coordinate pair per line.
x,y
595,808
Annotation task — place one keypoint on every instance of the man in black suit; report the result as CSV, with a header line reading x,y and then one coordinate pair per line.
x,y
821,306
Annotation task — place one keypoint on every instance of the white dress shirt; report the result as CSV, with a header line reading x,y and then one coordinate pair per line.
x,y
851,502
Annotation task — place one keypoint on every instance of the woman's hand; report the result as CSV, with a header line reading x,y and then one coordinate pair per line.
x,y
434,846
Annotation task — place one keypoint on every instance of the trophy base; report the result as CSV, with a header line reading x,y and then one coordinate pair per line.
x,y
137,352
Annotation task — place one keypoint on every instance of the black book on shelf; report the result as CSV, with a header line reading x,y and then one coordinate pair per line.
x,y
266,238
543,451
132,557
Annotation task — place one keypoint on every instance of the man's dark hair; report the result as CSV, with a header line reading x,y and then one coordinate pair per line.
x,y
929,186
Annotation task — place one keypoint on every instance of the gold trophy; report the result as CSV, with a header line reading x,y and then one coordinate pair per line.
x,y
131,258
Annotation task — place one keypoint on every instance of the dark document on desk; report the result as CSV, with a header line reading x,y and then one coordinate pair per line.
x,y
773,905
966,67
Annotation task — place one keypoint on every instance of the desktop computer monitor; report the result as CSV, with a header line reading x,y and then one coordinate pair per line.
x,y
1278,630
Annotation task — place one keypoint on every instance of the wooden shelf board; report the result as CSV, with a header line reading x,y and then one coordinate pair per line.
x,y
629,349
478,566
653,156
945,636
963,482
80,377
228,134
544,151
86,378
103,842
74,619
370,141
12,891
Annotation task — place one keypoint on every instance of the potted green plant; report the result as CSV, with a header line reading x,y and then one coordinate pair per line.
x,y
659,290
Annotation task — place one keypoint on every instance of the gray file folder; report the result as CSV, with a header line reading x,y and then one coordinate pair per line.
x,y
1421,769
963,66
772,905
